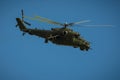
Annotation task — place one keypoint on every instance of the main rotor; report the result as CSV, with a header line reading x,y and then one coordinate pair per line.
x,y
64,25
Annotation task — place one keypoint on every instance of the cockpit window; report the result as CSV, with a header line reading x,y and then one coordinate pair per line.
x,y
65,32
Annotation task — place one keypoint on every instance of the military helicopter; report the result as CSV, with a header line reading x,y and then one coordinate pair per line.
x,y
60,36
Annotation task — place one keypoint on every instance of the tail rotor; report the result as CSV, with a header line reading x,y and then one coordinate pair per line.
x,y
23,18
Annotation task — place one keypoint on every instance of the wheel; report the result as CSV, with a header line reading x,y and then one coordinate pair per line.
x,y
46,40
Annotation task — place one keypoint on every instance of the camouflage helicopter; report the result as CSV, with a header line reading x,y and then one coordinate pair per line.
x,y
60,36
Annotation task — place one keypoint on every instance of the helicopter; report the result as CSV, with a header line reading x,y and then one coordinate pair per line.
x,y
60,36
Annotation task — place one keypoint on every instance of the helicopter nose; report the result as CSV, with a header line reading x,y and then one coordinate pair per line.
x,y
85,46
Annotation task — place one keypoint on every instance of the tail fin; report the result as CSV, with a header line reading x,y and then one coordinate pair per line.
x,y
20,24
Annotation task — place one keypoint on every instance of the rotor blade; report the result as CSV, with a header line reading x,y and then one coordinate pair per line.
x,y
41,19
48,20
83,21
98,25
80,22
27,23
22,14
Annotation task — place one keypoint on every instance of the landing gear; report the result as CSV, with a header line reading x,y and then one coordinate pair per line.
x,y
23,33
84,48
81,48
75,47
46,40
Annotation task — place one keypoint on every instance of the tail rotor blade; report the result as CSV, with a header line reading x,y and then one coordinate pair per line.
x,y
23,18
27,23
22,14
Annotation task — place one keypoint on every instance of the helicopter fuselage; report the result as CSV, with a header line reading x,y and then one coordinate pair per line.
x,y
60,36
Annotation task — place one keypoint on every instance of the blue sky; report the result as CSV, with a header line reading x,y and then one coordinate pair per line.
x,y
29,58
